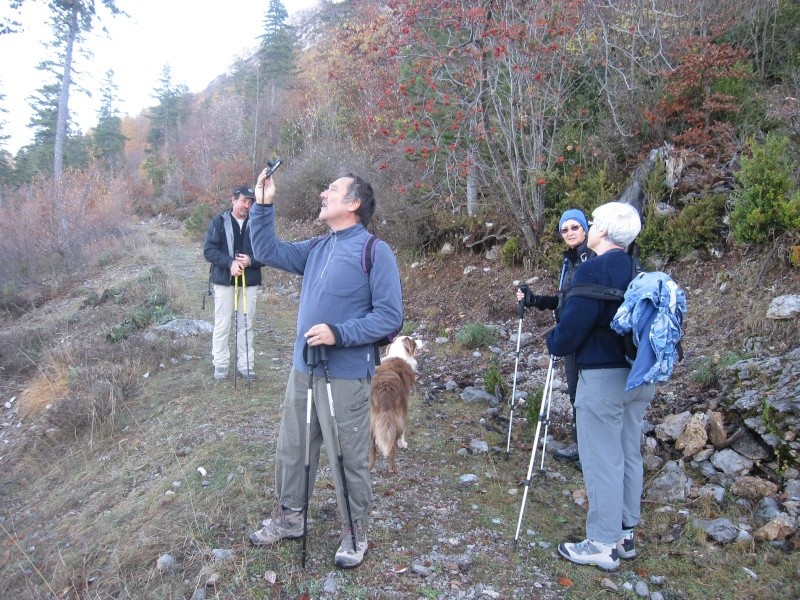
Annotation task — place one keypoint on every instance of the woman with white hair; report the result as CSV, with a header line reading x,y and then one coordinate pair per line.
x,y
609,419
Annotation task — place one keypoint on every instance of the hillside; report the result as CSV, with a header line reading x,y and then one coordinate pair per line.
x,y
92,500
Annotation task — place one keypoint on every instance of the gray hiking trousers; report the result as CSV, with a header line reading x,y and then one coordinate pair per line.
x,y
351,399
609,442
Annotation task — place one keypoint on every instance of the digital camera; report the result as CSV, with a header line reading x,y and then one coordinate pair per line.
x,y
272,166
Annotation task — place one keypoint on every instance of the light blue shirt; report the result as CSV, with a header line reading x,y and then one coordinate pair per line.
x,y
653,309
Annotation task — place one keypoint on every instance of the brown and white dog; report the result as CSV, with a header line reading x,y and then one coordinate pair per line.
x,y
391,391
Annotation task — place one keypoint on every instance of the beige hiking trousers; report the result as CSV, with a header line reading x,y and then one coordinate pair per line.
x,y
223,312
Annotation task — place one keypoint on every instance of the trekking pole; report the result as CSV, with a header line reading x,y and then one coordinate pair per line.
x,y
246,330
512,400
208,293
324,359
547,417
546,395
235,327
311,362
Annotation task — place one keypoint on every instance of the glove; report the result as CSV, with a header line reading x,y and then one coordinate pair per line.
x,y
540,302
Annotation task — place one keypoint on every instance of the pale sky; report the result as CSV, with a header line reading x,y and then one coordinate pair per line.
x,y
199,41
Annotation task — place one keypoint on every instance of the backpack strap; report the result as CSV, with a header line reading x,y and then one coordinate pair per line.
x,y
368,254
596,292
367,260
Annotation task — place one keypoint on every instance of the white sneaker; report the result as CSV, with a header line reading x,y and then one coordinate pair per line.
x,y
589,552
626,547
220,373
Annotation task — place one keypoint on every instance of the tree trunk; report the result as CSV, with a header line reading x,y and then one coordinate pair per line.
x,y
63,99
472,185
633,193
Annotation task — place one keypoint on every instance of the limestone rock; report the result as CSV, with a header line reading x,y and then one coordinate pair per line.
x,y
672,426
693,438
784,307
778,528
716,428
753,487
731,462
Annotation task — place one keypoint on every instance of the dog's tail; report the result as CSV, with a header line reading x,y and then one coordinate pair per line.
x,y
384,432
386,424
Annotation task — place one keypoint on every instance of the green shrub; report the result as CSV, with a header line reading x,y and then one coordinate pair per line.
x,y
708,371
698,225
764,202
475,335
105,259
493,380
200,217
155,310
534,406
586,193
511,252
409,327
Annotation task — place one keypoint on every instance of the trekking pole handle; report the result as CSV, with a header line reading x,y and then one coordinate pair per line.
x,y
311,356
524,289
323,354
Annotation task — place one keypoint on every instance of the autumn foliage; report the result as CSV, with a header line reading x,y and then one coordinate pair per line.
x,y
694,106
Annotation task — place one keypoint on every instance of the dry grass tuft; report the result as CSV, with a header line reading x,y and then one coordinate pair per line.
x,y
45,391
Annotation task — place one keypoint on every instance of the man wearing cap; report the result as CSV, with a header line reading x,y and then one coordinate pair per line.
x,y
573,228
233,269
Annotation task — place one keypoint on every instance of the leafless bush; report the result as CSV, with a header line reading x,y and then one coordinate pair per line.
x,y
62,226
19,348
301,179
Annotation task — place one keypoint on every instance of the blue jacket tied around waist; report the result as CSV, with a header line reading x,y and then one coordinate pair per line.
x,y
653,310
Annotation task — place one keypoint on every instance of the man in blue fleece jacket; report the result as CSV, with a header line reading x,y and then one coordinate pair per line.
x,y
347,311
609,418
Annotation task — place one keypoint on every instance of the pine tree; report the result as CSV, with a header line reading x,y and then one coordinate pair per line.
x,y
277,59
108,142
6,160
165,118
71,19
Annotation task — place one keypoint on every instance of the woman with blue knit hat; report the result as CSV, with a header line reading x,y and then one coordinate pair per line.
x,y
573,227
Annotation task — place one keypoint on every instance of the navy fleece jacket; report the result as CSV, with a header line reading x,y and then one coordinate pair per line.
x,y
575,332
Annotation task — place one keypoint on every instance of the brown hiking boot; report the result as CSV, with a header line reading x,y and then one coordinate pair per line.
x,y
287,525
348,557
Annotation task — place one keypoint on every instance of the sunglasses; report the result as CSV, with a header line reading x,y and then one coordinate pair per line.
x,y
566,230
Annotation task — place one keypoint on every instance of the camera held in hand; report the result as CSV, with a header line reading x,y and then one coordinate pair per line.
x,y
272,166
